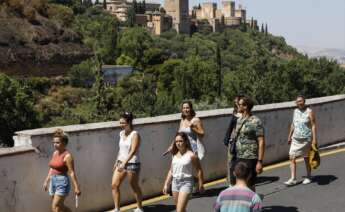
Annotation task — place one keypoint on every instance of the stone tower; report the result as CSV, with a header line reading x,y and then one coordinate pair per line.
x,y
179,11
228,9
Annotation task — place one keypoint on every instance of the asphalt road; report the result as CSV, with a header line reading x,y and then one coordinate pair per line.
x,y
325,194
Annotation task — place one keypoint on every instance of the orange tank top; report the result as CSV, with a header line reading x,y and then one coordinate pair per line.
x,y
58,164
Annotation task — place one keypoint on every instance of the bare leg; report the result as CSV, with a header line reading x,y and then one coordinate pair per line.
x,y
293,167
182,202
307,166
134,182
115,185
175,195
58,204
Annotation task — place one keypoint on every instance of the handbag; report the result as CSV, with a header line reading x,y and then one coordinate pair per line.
x,y
227,139
200,149
232,147
314,157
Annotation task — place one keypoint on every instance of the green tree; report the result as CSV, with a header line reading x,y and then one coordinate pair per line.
x,y
134,42
17,109
100,33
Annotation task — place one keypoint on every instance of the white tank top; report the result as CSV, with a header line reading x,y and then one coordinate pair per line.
x,y
182,167
125,147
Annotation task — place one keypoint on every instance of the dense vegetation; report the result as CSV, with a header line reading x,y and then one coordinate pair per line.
x,y
208,68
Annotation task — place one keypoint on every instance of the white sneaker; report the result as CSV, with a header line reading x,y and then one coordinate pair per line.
x,y
138,210
291,182
116,210
306,181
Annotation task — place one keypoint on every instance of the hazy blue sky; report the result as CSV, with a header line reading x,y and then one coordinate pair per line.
x,y
316,23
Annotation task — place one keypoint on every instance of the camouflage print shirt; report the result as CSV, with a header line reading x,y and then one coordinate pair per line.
x,y
247,140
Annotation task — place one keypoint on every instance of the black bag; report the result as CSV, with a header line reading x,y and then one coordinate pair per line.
x,y
232,147
232,125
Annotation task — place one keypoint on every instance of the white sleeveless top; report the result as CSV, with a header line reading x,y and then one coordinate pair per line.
x,y
125,147
182,167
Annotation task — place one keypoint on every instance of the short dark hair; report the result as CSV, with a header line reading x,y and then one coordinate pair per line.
x,y
249,102
128,116
186,141
59,133
192,112
241,171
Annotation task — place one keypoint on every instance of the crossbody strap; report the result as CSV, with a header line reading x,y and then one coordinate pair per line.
x,y
239,129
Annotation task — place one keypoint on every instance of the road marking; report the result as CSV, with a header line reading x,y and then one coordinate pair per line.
x,y
216,182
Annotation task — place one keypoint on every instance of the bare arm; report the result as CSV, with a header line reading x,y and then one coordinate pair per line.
x,y
313,127
290,134
200,173
46,181
261,153
167,182
197,127
70,165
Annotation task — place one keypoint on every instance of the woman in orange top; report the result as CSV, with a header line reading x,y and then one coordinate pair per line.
x,y
57,179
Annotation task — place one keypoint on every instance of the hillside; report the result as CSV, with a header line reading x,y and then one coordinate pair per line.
x,y
36,38
207,68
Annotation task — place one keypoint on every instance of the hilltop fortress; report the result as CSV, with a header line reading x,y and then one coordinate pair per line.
x,y
176,14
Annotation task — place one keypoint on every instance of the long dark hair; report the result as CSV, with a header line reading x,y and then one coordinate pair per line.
x,y
185,138
192,112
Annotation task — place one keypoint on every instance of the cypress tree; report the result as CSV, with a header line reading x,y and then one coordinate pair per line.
x,y
105,4
266,30
262,28
219,70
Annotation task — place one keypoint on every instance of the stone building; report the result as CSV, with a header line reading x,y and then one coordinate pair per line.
x,y
178,10
118,8
158,22
228,9
241,13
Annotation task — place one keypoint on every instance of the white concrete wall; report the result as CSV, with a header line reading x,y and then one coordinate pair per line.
x,y
94,146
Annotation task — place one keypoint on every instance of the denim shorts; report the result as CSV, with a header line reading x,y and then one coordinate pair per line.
x,y
182,185
131,167
59,185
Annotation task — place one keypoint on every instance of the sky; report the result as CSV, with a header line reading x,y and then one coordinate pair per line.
x,y
311,23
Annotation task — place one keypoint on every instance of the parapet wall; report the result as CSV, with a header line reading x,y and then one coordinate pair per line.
x,y
95,146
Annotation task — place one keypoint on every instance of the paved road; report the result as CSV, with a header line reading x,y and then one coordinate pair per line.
x,y
325,194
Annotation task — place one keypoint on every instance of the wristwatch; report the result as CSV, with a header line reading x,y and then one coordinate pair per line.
x,y
260,161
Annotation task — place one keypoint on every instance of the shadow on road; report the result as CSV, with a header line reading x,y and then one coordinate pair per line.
x,y
212,192
324,179
264,180
159,208
279,209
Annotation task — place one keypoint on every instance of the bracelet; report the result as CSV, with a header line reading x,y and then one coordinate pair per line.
x,y
260,161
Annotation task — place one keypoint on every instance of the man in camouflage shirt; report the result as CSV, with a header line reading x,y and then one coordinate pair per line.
x,y
250,143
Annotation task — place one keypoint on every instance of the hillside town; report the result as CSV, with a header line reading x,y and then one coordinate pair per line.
x,y
177,15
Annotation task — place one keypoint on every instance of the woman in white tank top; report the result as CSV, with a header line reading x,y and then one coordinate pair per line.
x,y
128,162
181,172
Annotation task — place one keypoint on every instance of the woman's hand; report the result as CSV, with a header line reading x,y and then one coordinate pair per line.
x,y
166,189
77,191
314,143
45,185
121,167
258,167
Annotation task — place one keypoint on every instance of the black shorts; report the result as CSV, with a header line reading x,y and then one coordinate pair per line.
x,y
251,163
